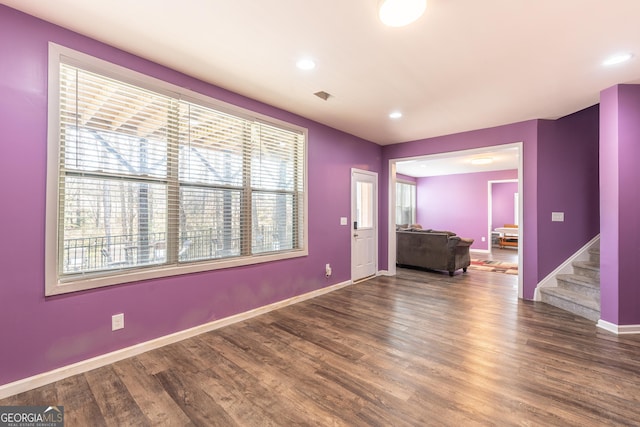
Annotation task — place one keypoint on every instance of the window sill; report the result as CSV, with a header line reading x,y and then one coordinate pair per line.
x,y
93,281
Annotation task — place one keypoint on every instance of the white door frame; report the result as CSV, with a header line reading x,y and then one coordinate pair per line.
x,y
374,175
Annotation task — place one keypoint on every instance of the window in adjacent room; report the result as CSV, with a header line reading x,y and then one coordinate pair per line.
x,y
149,180
405,203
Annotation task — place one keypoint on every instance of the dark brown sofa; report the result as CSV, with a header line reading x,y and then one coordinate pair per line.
x,y
432,249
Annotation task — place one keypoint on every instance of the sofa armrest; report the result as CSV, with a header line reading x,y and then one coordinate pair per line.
x,y
465,242
454,242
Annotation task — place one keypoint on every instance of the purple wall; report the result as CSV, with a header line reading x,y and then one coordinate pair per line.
x,y
629,204
503,203
39,334
620,204
567,182
551,174
46,333
459,203
609,205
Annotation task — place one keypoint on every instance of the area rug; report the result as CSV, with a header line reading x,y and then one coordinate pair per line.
x,y
494,266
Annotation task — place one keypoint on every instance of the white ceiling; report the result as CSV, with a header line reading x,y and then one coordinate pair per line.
x,y
460,162
464,65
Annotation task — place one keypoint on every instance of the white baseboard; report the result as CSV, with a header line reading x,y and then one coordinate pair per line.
x,y
565,268
480,251
618,329
384,273
45,378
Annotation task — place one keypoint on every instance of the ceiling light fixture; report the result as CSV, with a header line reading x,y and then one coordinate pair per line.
x,y
306,64
482,161
395,115
617,59
398,13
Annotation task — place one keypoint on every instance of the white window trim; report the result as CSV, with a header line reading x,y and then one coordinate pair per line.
x,y
53,284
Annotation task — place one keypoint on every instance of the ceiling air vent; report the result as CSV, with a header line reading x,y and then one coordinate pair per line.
x,y
322,94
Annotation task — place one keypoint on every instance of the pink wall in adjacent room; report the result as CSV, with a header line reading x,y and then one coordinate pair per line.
x,y
459,203
503,203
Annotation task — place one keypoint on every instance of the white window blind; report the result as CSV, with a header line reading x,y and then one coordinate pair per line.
x,y
405,203
148,180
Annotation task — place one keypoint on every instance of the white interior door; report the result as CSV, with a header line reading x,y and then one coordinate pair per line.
x,y
364,224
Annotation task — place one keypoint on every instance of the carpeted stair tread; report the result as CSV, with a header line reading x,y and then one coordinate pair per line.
x,y
579,280
587,286
579,292
587,268
573,297
587,265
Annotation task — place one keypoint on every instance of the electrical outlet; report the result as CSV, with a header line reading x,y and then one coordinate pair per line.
x,y
117,321
484,238
327,270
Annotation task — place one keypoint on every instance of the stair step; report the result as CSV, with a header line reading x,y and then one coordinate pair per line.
x,y
572,302
580,284
580,280
587,268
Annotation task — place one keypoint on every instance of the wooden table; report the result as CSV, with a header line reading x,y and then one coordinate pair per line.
x,y
508,236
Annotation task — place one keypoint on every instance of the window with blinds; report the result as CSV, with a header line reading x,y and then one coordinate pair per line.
x,y
151,181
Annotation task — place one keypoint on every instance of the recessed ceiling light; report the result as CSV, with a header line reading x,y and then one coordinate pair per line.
x,y
398,13
306,64
617,59
481,161
395,115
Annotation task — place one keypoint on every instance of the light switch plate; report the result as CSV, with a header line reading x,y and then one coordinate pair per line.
x,y
117,321
343,220
557,216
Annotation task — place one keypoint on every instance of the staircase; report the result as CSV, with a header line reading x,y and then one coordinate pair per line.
x,y
578,293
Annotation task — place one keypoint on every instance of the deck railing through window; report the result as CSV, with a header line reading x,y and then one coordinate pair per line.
x,y
130,250
112,252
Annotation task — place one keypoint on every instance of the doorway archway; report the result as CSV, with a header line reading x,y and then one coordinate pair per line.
x,y
518,147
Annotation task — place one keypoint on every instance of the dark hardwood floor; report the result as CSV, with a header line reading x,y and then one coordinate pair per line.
x,y
497,254
418,349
